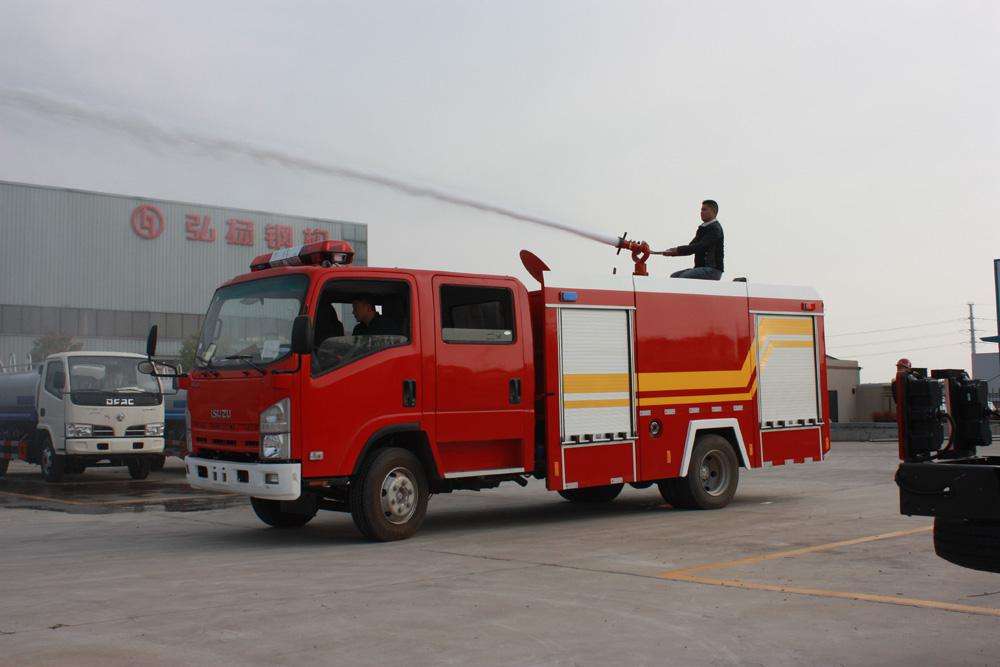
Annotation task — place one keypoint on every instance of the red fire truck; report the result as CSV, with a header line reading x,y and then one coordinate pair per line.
x,y
463,381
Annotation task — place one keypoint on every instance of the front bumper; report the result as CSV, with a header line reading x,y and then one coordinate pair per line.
x,y
108,446
246,478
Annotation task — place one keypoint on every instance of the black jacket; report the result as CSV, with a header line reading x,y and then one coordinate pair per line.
x,y
379,326
706,246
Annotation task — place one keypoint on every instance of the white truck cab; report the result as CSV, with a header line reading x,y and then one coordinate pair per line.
x,y
96,408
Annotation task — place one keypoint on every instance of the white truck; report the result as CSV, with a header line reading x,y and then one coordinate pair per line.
x,y
79,410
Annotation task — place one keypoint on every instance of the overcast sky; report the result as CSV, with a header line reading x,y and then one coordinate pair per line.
x,y
852,146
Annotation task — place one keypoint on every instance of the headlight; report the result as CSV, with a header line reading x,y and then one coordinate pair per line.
x,y
275,427
154,430
79,430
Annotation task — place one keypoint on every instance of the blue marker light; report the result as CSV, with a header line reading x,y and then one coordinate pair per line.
x,y
568,296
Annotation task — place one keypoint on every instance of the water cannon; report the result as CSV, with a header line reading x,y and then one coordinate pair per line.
x,y
640,253
319,253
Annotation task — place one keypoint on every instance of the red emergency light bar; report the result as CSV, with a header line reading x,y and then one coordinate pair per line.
x,y
321,253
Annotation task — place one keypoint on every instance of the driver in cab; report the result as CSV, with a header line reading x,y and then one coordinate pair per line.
x,y
370,322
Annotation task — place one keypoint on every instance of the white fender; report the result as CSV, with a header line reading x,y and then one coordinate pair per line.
x,y
701,424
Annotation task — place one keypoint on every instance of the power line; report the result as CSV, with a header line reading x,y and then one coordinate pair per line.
x,y
908,338
908,350
908,326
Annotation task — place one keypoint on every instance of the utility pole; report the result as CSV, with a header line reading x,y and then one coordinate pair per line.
x,y
972,333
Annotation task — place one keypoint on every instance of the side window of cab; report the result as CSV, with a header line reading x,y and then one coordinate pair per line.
x,y
477,315
358,318
55,378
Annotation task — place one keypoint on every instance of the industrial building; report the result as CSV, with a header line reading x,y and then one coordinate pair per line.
x,y
842,379
103,268
986,366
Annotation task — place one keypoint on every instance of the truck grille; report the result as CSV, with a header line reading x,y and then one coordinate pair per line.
x,y
103,431
135,431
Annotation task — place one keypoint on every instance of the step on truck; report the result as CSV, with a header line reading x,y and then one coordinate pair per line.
x,y
79,410
322,385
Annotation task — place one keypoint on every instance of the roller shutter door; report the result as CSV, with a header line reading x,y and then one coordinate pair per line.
x,y
786,366
597,379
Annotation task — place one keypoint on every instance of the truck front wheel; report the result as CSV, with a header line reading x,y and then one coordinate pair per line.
x,y
711,480
388,500
969,543
53,465
285,514
138,468
593,494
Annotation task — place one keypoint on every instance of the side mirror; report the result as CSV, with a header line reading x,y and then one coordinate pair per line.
x,y
302,335
160,369
151,342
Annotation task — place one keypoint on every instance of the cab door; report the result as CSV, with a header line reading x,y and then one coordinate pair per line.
x,y
51,408
484,386
360,388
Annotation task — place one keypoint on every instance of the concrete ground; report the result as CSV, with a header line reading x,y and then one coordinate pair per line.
x,y
826,572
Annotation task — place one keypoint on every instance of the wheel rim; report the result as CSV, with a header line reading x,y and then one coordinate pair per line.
x,y
714,473
399,496
47,460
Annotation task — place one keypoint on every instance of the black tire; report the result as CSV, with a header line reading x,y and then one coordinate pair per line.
x,y
75,466
157,462
593,494
285,514
713,475
4,464
969,543
138,468
388,500
53,465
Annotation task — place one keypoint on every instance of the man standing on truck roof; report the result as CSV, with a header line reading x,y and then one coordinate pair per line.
x,y
706,246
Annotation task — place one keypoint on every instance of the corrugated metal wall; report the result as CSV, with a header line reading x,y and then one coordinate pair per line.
x,y
76,249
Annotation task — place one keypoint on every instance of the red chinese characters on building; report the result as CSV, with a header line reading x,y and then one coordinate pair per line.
x,y
314,235
199,228
239,232
278,236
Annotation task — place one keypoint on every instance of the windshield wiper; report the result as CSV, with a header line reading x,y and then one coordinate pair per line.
x,y
247,358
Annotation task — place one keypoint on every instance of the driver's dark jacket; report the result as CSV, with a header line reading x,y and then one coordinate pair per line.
x,y
379,326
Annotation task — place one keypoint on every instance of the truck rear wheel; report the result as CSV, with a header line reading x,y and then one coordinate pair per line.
x,y
285,514
969,543
138,468
388,500
593,494
53,465
712,477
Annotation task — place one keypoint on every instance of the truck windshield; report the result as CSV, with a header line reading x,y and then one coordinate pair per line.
x,y
251,323
94,379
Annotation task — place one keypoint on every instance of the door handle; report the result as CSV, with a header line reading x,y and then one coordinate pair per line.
x,y
514,391
409,393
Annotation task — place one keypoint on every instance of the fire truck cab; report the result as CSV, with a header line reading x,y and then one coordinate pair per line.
x,y
465,381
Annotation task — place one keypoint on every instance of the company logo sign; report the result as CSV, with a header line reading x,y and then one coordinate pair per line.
x,y
147,221
219,413
119,401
